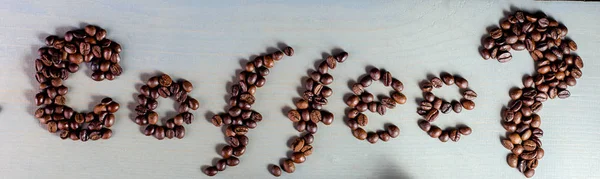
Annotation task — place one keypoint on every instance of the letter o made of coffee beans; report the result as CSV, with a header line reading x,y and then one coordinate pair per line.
x,y
557,67
362,101
431,106
164,86
59,58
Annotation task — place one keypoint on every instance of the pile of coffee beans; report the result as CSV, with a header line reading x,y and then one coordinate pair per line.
x,y
431,106
557,67
309,113
164,86
62,56
362,101
240,117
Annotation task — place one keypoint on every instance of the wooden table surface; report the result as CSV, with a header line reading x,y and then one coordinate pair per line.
x,y
207,41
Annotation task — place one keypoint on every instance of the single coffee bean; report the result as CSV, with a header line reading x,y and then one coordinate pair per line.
x,y
399,97
563,94
275,170
444,137
331,62
327,117
221,165
288,51
367,97
436,82
159,132
352,124
311,127
515,138
360,133
366,81
375,74
384,136
468,104
456,106
445,107
537,133
211,171
454,135
528,155
518,149
298,157
465,130
507,144
233,161
307,150
461,82
469,94
426,86
288,166
397,85
529,145
357,89
424,125
512,160
432,115
372,137
437,104
301,126
435,132
447,78
426,105
297,144
239,151
539,153
516,93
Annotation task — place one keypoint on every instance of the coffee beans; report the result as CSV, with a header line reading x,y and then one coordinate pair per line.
x,y
61,57
557,68
363,100
240,118
431,107
275,170
166,87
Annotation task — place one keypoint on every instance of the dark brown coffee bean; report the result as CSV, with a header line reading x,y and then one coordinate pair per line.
x,y
233,161
301,126
537,133
456,106
536,107
331,62
352,124
444,137
289,51
426,86
393,130
528,155
288,166
169,133
342,57
357,89
211,171
366,81
436,82
447,78
159,132
83,135
424,125
454,135
562,94
435,132
375,74
504,56
239,151
275,170
311,127
529,145
360,133
432,115
465,130
469,94
323,68
488,43
372,137
468,104
389,81
297,144
509,126
425,105
485,54
507,144
445,107
495,33
298,157
512,160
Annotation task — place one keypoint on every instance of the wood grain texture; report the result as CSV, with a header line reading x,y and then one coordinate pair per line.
x,y
207,41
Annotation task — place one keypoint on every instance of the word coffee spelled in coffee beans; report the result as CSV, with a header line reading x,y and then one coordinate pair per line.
x,y
164,86
431,107
363,100
309,112
57,60
556,68
240,118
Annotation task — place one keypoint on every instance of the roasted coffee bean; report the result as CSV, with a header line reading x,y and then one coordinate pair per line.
x,y
366,81
399,97
444,137
515,138
384,136
456,106
435,132
437,104
331,62
454,135
311,127
426,86
375,74
468,104
298,157
288,166
301,126
367,97
445,107
239,151
432,115
518,149
507,144
357,89
297,144
275,170
537,133
562,94
424,125
512,160
529,145
289,51
352,124
83,135
528,155
233,161
469,94
159,132
426,105
372,137
461,82
465,130
387,80
360,133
